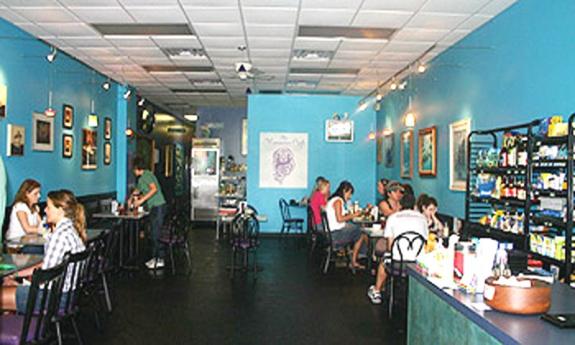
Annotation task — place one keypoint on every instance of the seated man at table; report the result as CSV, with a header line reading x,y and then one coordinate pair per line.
x,y
398,223
69,236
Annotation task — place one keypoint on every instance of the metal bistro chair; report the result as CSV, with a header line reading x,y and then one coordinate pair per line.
x,y
314,236
289,223
411,241
332,246
175,236
36,325
244,238
76,277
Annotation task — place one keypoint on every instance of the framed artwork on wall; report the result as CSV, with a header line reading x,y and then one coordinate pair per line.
x,y
107,153
458,136
168,160
406,154
3,100
67,116
42,132
16,139
427,151
67,146
388,149
89,149
107,128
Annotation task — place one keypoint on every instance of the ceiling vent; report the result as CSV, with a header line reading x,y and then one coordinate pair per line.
x,y
143,29
184,53
312,55
345,32
198,91
176,69
306,70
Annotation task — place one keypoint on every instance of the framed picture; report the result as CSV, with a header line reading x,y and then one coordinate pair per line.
x,y
107,153
89,149
16,138
168,160
388,149
427,151
107,128
67,146
3,100
42,132
339,131
458,133
406,154
67,116
244,148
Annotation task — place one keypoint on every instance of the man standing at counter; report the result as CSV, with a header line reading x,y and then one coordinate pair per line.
x,y
397,224
149,193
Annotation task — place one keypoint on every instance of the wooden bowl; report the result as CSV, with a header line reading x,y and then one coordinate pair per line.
x,y
516,300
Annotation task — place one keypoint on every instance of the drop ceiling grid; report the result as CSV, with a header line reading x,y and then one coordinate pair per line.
x,y
64,24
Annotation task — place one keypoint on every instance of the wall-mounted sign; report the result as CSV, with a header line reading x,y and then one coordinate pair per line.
x,y
339,131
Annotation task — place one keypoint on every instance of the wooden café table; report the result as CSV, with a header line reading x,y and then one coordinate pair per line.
x,y
130,223
10,263
38,240
372,234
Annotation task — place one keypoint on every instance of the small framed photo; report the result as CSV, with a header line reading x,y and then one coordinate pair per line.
x,y
89,149
107,128
406,154
3,100
16,140
427,151
67,116
67,146
107,153
42,132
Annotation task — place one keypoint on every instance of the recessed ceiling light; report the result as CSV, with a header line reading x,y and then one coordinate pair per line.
x,y
164,118
312,55
302,84
345,32
191,117
184,53
206,83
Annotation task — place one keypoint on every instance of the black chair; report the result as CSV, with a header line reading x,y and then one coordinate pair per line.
x,y
289,223
313,234
73,287
412,243
244,238
175,237
332,247
36,325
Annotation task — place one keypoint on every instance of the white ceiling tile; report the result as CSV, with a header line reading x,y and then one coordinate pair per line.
x,y
218,29
268,3
213,14
146,60
46,14
121,42
354,55
382,19
388,65
430,20
91,41
423,35
453,6
139,51
28,3
324,4
454,36
269,43
329,17
361,44
269,15
176,41
192,62
227,53
68,29
270,62
310,64
280,53
304,76
223,42
316,43
406,47
335,78
92,3
404,56
98,51
96,15
11,16
475,22
135,3
157,14
497,6
348,63
393,5
281,31
201,75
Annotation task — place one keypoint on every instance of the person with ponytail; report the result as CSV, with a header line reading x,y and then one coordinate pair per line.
x,y
67,216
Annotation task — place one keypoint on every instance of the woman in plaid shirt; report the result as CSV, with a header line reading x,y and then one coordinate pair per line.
x,y
69,236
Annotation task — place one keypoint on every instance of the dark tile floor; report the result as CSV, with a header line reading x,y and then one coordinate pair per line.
x,y
291,302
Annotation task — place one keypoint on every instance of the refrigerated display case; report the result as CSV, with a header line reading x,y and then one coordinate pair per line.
x,y
205,179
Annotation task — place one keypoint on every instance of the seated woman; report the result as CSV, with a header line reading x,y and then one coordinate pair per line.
x,y
318,201
338,218
390,205
427,205
25,215
69,236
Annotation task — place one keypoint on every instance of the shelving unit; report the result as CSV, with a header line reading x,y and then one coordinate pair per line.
x,y
478,206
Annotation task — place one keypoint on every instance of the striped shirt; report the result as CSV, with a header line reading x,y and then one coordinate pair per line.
x,y
65,239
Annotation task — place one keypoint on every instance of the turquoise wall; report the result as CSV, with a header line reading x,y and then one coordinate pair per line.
x,y
28,77
231,132
516,68
336,161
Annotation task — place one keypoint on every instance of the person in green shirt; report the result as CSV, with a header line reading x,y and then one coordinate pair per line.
x,y
149,193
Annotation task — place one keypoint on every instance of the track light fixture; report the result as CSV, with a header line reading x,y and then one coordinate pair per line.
x,y
127,94
52,56
106,85
421,68
141,102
